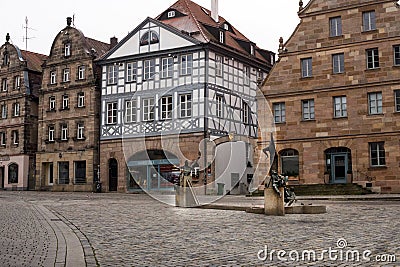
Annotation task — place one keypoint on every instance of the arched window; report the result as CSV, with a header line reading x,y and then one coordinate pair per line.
x,y
150,37
289,162
13,173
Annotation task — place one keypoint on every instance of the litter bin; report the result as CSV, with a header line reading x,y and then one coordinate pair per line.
x,y
220,189
98,187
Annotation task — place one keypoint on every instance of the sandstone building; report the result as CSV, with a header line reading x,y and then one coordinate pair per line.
x,y
69,104
180,87
335,95
20,77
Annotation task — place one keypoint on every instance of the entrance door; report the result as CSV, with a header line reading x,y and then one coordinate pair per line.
x,y
112,175
339,168
51,174
2,177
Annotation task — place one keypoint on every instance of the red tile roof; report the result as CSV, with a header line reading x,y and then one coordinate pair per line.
x,y
99,47
197,20
34,60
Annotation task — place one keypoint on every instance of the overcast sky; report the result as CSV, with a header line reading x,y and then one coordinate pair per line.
x,y
262,21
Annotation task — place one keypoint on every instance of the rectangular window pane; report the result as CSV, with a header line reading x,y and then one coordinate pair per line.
x,y
377,154
111,113
279,112
397,100
375,103
166,108
131,72
149,69
308,109
148,109
338,63
167,67
335,26
369,22
373,58
185,105
220,106
396,50
130,111
186,64
340,106
306,67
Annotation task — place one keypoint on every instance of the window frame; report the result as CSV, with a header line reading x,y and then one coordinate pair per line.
x,y
3,139
64,132
65,102
131,72
306,67
376,103
63,172
166,107
397,100
131,116
16,110
245,113
51,132
4,111
186,64
67,49
81,72
380,154
369,25
335,28
279,110
53,77
167,70
340,107
219,106
149,69
80,180
4,85
219,65
148,108
80,131
374,56
66,75
17,82
112,74
246,75
52,103
308,104
81,100
112,113
396,55
185,105
15,137
338,63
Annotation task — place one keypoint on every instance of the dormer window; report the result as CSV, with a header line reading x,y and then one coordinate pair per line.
x,y
150,37
171,14
226,26
221,37
67,49
252,50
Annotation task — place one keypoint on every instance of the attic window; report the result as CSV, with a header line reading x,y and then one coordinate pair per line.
x,y
171,14
221,37
6,59
252,50
150,37
226,26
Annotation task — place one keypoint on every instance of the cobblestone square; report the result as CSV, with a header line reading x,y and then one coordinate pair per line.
x,y
56,229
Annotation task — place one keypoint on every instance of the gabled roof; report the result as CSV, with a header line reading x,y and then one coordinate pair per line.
x,y
100,47
34,60
199,24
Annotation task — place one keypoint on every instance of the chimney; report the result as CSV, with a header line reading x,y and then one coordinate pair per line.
x,y
113,42
214,10
69,21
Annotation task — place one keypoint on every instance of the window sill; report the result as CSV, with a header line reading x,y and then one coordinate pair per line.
x,y
51,110
82,107
65,82
339,73
280,122
63,109
307,78
341,118
15,145
2,146
369,31
375,115
110,84
130,82
62,140
79,139
377,168
80,80
373,69
312,120
51,84
336,37
49,142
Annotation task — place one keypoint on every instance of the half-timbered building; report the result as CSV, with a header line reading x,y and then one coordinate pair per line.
x,y
180,87
69,104
20,76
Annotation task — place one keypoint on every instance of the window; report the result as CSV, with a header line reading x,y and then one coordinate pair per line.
x,y
220,106
53,77
52,103
13,173
80,172
338,63
397,100
65,102
64,132
150,37
185,105
3,139
218,65
130,111
6,59
375,103
306,67
51,130
4,111
81,99
131,72
186,64
377,154
80,131
4,85
396,50
279,112
167,67
16,109
17,82
226,26
63,172
67,49
81,72
149,69
308,109
221,37
372,58
369,22
15,137
171,14
290,162
246,77
166,108
245,113
335,26
340,106
252,51
112,113
66,75
112,74
148,109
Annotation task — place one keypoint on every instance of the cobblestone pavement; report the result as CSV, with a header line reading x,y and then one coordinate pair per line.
x,y
135,230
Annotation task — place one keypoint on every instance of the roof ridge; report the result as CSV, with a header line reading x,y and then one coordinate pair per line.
x,y
27,51
196,21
